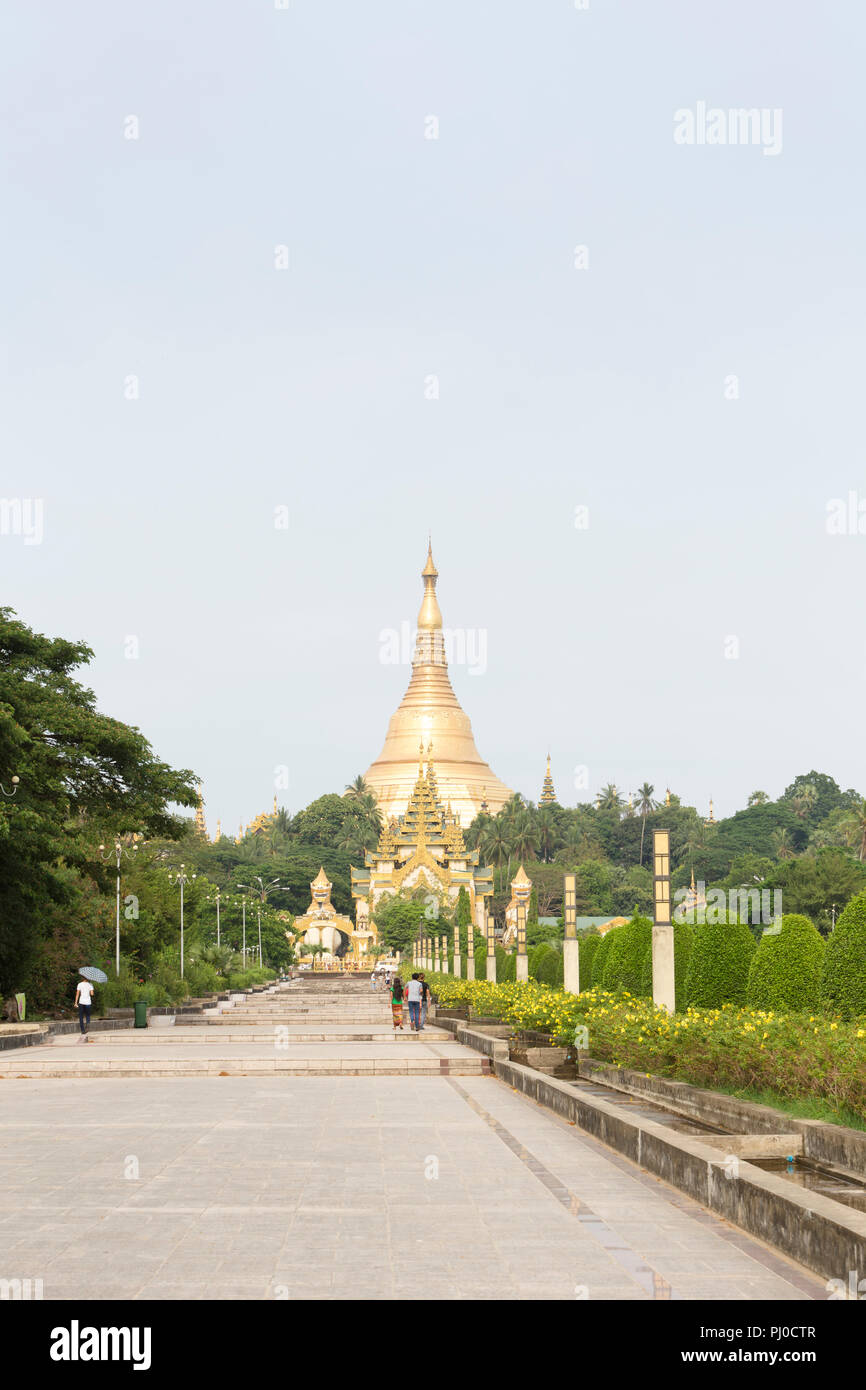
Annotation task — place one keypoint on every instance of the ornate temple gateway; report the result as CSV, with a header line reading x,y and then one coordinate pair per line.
x,y
322,925
430,713
421,850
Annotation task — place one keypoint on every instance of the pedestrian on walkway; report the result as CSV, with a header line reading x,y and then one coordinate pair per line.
x,y
425,1000
414,999
84,999
397,1003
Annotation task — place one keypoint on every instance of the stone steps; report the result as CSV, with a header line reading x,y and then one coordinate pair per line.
x,y
86,1067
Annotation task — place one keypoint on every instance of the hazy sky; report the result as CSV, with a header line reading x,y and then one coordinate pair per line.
x,y
703,630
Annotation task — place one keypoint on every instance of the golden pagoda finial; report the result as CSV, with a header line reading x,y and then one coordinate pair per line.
x,y
275,803
667,796
200,824
219,833
430,617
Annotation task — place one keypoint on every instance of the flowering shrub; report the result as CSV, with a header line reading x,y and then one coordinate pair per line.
x,y
793,1054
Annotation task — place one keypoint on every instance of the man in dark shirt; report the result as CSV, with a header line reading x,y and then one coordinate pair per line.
x,y
425,999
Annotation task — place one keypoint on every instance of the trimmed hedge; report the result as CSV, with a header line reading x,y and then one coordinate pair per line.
x,y
601,955
624,964
785,972
588,947
718,970
843,978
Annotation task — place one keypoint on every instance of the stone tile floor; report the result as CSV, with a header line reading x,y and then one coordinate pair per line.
x,y
337,1187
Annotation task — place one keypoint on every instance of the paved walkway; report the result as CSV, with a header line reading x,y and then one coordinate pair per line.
x,y
207,1175
345,1187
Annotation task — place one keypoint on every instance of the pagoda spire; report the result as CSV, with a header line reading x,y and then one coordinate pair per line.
x,y
200,823
548,793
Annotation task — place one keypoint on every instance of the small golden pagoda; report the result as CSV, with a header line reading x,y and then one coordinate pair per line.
x,y
548,795
421,849
200,823
323,925
430,712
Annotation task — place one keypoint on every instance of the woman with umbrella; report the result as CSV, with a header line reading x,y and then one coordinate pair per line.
x,y
85,992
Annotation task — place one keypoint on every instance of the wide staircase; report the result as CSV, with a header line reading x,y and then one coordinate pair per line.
x,y
313,1025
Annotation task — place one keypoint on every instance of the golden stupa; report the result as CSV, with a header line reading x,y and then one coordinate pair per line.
x,y
429,713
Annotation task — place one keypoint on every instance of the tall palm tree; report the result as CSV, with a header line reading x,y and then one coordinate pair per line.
x,y
359,789
804,800
857,822
609,798
645,804
758,799
525,839
548,837
496,846
782,843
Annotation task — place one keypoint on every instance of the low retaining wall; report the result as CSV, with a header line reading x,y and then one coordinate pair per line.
x,y
821,1234
842,1148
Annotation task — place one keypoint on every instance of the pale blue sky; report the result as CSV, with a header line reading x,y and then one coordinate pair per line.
x,y
558,387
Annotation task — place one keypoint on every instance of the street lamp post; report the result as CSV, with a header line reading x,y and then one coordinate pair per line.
x,y
261,890
119,850
216,899
183,878
15,785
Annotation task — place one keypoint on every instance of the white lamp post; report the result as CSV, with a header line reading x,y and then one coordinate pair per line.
x,y
183,878
119,850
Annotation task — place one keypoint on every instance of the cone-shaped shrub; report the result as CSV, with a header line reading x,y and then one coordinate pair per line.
x,y
601,955
625,958
718,970
550,971
588,947
843,978
785,972
508,970
684,937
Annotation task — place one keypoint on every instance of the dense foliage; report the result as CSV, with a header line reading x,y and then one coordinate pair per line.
x,y
794,1055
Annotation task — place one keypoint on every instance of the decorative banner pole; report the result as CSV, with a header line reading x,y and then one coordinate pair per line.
x,y
428,953
522,972
436,954
571,945
444,953
457,950
664,980
491,949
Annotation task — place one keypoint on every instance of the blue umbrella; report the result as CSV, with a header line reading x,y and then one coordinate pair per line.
x,y
92,972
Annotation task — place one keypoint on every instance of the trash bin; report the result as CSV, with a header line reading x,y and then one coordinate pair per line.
x,y
140,1007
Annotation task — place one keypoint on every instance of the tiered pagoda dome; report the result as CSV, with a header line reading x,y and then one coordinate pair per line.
x,y
430,713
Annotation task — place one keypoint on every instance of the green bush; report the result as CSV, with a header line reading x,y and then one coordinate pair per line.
x,y
203,978
718,969
536,958
509,967
683,941
601,955
587,948
551,971
624,964
785,972
843,977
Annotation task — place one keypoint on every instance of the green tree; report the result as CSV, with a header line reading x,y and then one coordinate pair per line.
x,y
645,804
82,777
399,921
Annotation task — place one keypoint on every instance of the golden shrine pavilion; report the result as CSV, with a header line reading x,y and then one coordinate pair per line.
x,y
423,849
430,713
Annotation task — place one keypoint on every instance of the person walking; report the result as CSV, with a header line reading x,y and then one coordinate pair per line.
x,y
414,1001
84,999
397,1003
425,1000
